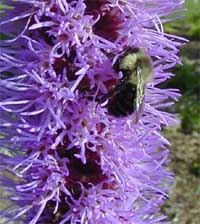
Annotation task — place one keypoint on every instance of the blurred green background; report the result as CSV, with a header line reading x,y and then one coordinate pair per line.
x,y
188,76
183,206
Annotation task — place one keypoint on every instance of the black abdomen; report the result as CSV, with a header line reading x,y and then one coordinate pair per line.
x,y
122,102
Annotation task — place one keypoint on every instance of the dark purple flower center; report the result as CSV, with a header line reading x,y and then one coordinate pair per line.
x,y
109,22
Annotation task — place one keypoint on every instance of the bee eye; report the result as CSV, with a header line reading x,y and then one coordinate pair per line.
x,y
116,66
126,72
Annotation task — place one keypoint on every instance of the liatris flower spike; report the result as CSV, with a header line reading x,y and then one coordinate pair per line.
x,y
81,110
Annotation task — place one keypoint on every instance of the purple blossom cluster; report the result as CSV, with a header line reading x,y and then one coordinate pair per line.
x,y
64,158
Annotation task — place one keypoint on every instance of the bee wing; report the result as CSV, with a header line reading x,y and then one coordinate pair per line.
x,y
139,94
140,88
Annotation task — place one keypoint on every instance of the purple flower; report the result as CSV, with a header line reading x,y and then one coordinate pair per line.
x,y
64,158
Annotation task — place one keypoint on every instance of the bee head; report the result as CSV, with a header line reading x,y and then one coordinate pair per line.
x,y
132,60
127,62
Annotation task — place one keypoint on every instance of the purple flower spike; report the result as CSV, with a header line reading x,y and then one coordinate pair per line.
x,y
64,158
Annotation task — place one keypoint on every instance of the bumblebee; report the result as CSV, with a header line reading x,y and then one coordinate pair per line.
x,y
127,96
